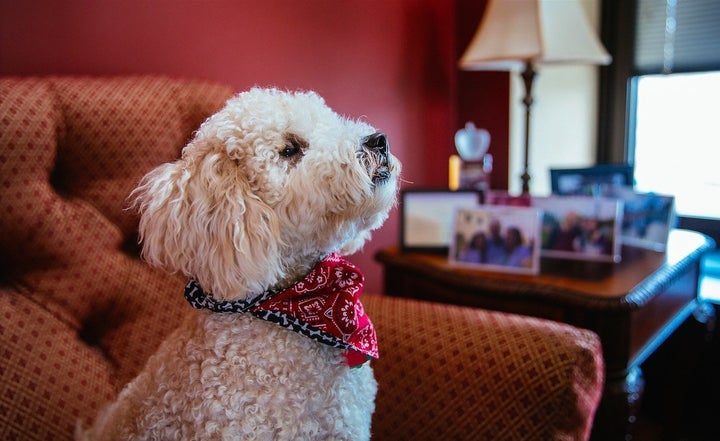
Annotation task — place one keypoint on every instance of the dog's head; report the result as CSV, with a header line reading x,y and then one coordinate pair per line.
x,y
269,184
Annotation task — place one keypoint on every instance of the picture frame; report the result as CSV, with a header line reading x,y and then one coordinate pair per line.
x,y
581,227
590,181
496,238
647,217
426,217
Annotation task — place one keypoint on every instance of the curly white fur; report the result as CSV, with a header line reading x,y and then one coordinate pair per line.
x,y
268,186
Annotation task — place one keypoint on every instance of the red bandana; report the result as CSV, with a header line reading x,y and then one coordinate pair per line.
x,y
324,306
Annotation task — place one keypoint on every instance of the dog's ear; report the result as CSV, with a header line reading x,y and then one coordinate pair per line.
x,y
198,216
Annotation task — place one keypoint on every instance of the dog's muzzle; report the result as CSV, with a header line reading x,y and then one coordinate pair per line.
x,y
375,155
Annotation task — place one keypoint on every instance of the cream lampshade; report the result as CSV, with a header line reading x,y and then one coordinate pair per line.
x,y
520,34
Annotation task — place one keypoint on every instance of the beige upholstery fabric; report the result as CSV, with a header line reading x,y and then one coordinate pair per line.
x,y
80,312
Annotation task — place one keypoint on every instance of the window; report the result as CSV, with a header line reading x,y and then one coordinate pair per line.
x,y
671,131
676,142
676,36
668,52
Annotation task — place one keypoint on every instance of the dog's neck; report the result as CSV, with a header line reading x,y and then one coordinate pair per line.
x,y
324,306
296,271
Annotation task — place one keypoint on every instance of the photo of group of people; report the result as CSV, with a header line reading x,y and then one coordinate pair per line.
x,y
497,237
647,218
580,227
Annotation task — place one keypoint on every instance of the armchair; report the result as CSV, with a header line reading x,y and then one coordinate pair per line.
x,y
80,312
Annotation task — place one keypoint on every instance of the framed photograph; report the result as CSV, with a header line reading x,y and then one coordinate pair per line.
x,y
426,217
502,239
590,181
580,227
647,218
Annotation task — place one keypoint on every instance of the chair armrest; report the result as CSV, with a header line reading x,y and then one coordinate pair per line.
x,y
450,372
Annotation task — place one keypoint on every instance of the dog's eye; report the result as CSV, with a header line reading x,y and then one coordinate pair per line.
x,y
294,145
290,150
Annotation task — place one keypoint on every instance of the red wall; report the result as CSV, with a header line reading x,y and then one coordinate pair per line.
x,y
389,61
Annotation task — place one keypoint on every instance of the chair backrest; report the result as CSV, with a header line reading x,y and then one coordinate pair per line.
x,y
74,295
77,147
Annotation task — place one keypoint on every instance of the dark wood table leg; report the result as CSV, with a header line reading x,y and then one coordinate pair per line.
x,y
617,413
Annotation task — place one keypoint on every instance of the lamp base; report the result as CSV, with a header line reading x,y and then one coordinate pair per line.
x,y
525,178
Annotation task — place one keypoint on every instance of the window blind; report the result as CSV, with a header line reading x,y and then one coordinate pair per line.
x,y
677,36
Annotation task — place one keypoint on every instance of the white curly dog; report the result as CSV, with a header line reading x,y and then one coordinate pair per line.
x,y
266,197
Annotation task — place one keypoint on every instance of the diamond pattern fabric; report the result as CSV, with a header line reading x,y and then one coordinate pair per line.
x,y
481,375
79,312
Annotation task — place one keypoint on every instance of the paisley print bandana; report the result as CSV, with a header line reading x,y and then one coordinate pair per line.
x,y
324,306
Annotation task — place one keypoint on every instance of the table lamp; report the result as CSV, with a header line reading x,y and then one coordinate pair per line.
x,y
517,35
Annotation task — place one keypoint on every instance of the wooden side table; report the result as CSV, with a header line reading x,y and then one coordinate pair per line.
x,y
633,305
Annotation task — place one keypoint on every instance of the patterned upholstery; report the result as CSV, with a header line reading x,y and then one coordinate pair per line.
x,y
448,372
80,313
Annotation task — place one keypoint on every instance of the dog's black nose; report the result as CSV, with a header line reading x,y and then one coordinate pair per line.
x,y
376,141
